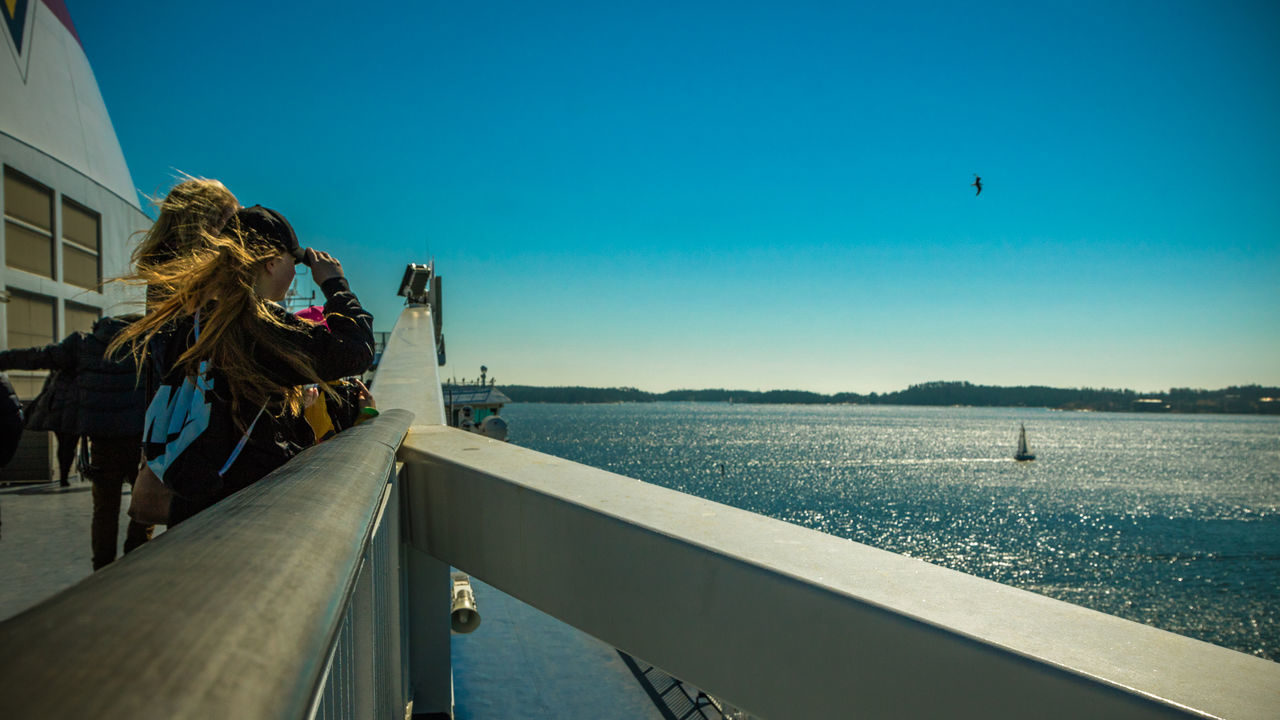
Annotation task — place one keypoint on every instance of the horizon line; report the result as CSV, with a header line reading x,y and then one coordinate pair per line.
x,y
961,383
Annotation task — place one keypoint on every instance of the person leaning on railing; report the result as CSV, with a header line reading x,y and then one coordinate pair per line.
x,y
193,210
233,363
349,404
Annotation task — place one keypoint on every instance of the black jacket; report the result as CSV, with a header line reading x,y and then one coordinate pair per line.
x,y
91,395
342,350
10,421
55,408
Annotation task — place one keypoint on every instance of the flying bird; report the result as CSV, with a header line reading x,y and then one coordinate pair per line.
x,y
977,183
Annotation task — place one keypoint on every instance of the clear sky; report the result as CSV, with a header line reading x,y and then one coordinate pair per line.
x,y
752,195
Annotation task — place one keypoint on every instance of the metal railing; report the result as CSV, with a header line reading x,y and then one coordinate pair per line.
x,y
304,596
281,601
779,620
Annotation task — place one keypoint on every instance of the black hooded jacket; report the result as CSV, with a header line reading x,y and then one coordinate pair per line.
x,y
101,397
211,467
55,408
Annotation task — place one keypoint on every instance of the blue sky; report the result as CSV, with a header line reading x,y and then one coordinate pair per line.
x,y
752,195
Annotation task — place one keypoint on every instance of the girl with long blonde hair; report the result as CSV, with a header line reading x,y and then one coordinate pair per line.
x,y
192,210
213,324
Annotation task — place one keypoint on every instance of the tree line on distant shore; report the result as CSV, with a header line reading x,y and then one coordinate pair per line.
x,y
1239,399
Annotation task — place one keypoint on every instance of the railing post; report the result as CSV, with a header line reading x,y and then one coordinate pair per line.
x,y
408,378
430,670
389,589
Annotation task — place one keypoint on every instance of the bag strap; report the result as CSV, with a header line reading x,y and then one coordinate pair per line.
x,y
244,439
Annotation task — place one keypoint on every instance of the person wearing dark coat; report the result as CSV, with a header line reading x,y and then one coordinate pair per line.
x,y
54,410
110,405
10,421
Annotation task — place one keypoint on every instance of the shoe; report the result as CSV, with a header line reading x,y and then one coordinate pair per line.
x,y
64,483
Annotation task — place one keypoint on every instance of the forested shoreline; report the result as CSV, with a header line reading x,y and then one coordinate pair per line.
x,y
1251,399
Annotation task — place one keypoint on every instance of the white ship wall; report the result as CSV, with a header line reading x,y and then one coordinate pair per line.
x,y
51,101
55,133
54,129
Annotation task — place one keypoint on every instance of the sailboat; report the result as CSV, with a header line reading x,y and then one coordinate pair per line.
x,y
1023,453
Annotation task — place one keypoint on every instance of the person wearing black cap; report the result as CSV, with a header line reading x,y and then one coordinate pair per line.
x,y
233,362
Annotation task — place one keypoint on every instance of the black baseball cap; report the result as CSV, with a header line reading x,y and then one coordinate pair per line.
x,y
270,226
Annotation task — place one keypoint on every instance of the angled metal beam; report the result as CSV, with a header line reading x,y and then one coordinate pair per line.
x,y
788,622
408,377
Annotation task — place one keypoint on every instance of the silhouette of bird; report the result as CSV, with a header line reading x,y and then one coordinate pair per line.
x,y
977,182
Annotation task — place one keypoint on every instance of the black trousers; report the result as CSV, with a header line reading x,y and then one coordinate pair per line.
x,y
113,461
66,454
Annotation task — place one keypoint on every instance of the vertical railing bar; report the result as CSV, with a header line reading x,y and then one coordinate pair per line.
x,y
363,647
317,704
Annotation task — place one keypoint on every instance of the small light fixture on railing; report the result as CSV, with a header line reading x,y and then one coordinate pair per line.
x,y
463,615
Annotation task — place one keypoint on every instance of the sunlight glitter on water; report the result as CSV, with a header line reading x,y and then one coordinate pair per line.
x,y
1168,520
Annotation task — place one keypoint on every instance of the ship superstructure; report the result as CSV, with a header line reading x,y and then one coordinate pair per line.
x,y
71,211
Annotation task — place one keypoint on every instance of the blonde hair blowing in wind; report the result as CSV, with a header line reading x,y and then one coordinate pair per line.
x,y
192,208
216,273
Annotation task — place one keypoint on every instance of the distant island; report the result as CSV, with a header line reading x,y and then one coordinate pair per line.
x,y
1252,399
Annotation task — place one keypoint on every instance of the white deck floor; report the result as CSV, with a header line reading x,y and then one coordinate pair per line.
x,y
44,541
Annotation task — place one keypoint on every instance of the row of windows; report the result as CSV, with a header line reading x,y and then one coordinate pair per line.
x,y
29,232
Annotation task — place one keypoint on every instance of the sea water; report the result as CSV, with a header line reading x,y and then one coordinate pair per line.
x,y
1168,520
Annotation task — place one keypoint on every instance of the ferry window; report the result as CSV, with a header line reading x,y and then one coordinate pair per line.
x,y
27,250
28,224
80,318
79,268
81,262
30,325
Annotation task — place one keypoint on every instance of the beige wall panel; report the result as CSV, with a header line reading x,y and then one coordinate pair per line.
x,y
80,268
31,324
30,321
79,225
28,250
27,201
79,318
